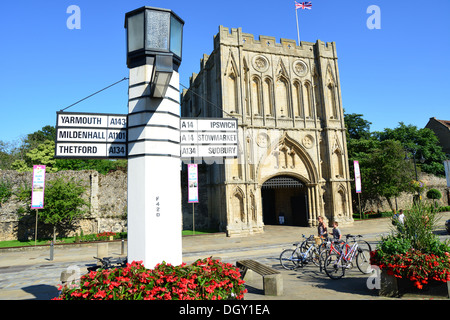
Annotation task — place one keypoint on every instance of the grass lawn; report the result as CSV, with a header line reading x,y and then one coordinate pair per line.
x,y
17,243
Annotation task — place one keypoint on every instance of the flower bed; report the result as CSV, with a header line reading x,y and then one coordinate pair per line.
x,y
414,253
418,267
205,279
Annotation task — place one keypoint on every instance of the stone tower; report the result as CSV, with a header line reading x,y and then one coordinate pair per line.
x,y
292,165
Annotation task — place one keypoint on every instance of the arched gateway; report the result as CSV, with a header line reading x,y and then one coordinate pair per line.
x,y
284,201
292,146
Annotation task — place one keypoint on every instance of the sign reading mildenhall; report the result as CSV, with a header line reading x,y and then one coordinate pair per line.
x,y
91,135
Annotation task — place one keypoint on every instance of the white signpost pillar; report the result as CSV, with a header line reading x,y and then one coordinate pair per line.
x,y
154,39
154,190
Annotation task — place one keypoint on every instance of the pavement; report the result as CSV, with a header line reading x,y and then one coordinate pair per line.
x,y
29,274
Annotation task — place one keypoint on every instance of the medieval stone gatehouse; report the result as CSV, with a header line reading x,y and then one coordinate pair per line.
x,y
292,165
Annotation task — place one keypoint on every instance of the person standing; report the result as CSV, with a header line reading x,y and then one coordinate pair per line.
x,y
322,228
336,232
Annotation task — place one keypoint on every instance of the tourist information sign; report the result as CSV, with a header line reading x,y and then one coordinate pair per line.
x,y
208,138
91,135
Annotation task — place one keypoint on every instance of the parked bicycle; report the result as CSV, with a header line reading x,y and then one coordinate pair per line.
x,y
304,252
109,262
338,261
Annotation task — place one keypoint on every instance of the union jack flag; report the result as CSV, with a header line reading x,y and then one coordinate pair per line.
x,y
303,5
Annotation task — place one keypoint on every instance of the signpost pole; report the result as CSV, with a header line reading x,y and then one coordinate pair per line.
x,y
35,229
193,218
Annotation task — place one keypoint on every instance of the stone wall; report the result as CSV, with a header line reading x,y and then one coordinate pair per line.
x,y
405,200
107,196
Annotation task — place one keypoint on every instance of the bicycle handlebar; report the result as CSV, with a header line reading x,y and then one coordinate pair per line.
x,y
353,236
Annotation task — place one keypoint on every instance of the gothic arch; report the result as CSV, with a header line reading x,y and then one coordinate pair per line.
x,y
268,96
237,205
232,84
337,160
282,96
293,159
296,99
331,94
341,204
307,100
255,95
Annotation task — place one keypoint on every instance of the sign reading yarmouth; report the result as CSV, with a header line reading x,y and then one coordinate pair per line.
x,y
208,138
90,135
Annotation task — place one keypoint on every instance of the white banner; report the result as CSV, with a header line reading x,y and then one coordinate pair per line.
x,y
447,171
192,183
38,187
357,176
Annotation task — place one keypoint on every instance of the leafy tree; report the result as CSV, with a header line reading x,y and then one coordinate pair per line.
x,y
385,173
34,139
357,127
62,204
43,154
423,141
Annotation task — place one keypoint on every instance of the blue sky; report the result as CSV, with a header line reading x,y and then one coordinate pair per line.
x,y
397,73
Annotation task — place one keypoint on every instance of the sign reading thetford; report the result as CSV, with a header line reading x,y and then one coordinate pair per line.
x,y
208,138
90,135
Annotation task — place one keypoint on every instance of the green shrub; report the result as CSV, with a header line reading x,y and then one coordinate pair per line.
x,y
434,194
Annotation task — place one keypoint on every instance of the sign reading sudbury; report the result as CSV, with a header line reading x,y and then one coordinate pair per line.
x,y
90,135
208,138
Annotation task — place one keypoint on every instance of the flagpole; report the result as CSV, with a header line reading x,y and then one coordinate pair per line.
x,y
298,32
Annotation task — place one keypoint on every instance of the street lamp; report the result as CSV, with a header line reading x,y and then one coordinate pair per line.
x,y
422,160
414,152
154,37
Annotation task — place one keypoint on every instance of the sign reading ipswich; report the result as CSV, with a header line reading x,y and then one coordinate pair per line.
x,y
208,138
91,135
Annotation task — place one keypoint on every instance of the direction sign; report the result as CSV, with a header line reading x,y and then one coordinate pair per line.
x,y
91,135
208,138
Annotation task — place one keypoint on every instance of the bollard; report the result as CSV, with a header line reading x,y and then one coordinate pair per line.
x,y
51,251
122,251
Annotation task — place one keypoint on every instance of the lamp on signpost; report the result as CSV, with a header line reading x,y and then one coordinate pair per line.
x,y
154,34
154,42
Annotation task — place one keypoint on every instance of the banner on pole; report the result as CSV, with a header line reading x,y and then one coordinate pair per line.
x,y
357,176
447,171
38,186
192,183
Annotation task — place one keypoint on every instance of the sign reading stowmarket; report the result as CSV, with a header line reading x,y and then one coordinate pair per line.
x,y
208,138
91,135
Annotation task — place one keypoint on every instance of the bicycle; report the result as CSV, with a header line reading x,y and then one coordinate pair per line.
x,y
301,255
109,262
363,244
331,246
337,262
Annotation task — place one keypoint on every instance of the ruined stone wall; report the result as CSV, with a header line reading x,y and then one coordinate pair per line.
x,y
106,195
405,200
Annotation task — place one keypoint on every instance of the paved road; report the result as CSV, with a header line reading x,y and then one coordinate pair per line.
x,y
30,274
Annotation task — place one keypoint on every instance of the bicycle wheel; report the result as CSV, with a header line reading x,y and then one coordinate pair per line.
x,y
314,255
334,266
363,244
363,261
290,259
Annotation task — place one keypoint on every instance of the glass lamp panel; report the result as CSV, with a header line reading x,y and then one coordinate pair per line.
x,y
176,36
161,83
157,36
135,28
